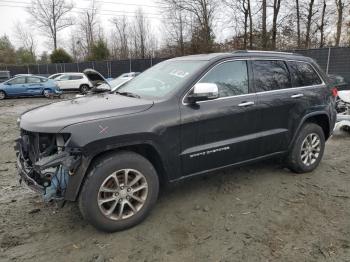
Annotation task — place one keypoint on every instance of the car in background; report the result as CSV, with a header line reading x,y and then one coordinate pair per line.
x,y
54,76
130,74
4,76
74,81
29,86
106,85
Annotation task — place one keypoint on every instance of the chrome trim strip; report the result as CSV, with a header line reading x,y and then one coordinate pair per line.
x,y
263,92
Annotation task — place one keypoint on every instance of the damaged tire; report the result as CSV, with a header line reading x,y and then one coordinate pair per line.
x,y
119,191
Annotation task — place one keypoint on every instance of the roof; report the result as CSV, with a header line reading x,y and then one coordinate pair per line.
x,y
243,54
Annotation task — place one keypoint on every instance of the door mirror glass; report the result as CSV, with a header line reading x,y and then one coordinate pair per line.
x,y
203,91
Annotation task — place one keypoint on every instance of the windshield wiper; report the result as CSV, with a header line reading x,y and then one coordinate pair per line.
x,y
129,94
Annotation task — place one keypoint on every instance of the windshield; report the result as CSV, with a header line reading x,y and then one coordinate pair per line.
x,y
162,79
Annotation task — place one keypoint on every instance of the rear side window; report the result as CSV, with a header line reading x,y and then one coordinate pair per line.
x,y
32,80
230,77
75,77
270,75
303,74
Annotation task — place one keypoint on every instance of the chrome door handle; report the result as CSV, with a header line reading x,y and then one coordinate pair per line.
x,y
297,95
250,103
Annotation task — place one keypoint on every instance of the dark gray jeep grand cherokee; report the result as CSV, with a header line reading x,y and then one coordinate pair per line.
x,y
183,117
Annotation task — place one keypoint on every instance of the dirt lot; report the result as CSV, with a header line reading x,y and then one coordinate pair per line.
x,y
257,213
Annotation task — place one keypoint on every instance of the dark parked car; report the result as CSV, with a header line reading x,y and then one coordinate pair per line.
x,y
181,118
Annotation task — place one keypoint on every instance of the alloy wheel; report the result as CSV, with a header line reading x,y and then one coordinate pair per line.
x,y
310,149
122,194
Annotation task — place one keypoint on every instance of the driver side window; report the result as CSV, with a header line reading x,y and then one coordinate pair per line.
x,y
230,77
17,80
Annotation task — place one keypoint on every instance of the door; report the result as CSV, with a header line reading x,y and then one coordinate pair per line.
x,y
34,86
280,106
75,81
64,82
16,86
220,132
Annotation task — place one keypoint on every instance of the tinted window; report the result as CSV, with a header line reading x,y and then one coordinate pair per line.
x,y
64,77
270,75
31,80
303,74
75,77
230,77
17,80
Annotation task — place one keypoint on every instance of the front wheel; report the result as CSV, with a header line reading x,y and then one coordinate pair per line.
x,y
307,150
2,95
119,192
84,89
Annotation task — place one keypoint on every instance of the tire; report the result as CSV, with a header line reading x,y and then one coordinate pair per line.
x,y
46,93
2,95
84,89
101,174
299,159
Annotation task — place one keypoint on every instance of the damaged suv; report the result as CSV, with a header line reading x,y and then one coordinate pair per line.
x,y
182,117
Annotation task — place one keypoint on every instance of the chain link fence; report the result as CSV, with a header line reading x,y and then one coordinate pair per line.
x,y
334,60
112,68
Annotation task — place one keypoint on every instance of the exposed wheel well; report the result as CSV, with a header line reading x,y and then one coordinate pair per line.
x,y
321,120
146,150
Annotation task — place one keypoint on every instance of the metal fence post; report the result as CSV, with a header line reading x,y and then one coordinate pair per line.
x,y
38,69
329,54
78,66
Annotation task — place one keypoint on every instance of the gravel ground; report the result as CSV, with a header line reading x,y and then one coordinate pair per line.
x,y
255,213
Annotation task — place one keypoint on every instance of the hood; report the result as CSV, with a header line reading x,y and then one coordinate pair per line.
x,y
54,117
95,77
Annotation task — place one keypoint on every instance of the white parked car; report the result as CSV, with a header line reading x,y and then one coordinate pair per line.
x,y
74,81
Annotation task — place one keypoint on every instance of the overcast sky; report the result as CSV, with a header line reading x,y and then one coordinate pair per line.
x,y
14,11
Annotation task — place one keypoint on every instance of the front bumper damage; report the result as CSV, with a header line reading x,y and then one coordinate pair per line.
x,y
45,163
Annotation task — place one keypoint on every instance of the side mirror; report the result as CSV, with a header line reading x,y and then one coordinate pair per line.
x,y
202,92
8,83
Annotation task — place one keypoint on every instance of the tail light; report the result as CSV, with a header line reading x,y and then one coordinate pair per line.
x,y
334,91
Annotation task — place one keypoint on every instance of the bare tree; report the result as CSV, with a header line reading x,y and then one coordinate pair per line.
x,y
298,22
51,16
340,4
276,10
175,24
322,25
88,26
241,10
204,13
121,37
310,14
25,38
264,27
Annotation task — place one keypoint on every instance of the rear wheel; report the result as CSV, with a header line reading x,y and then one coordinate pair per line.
x,y
307,150
2,95
46,93
119,192
84,89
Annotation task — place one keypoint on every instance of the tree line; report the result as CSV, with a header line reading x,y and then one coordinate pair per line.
x,y
188,27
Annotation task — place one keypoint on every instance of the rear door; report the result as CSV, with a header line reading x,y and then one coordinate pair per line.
x,y
64,82
34,86
75,81
220,132
280,106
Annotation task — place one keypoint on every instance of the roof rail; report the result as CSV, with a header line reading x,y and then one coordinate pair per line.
x,y
263,51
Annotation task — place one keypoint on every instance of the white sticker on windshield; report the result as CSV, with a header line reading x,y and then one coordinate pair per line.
x,y
178,73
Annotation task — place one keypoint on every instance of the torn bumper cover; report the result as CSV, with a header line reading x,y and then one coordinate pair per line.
x,y
47,169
